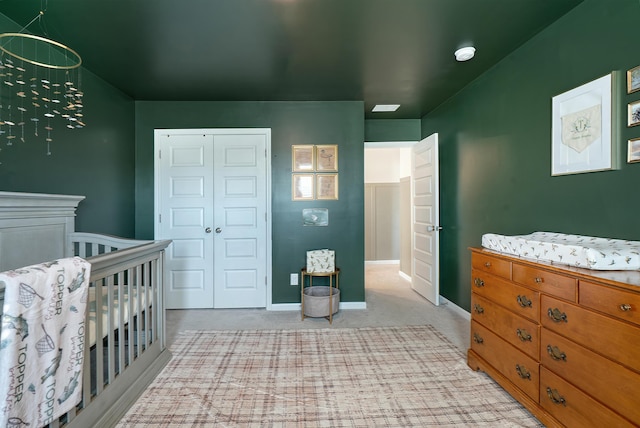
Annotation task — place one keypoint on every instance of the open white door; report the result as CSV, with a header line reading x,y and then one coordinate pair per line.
x,y
425,277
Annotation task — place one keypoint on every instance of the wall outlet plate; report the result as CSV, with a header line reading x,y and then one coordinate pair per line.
x,y
294,279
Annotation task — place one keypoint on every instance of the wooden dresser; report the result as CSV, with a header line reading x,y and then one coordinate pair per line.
x,y
565,342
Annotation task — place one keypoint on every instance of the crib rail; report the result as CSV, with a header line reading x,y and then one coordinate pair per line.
x,y
124,343
85,244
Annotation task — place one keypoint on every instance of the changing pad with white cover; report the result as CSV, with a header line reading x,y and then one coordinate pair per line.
x,y
573,250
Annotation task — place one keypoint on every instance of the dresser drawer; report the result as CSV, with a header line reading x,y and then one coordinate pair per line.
x,y
610,337
520,332
490,264
521,370
586,369
547,282
572,407
521,300
621,304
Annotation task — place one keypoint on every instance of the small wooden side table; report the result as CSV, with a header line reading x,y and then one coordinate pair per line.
x,y
334,278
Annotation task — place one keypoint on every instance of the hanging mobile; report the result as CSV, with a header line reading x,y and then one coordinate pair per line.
x,y
28,54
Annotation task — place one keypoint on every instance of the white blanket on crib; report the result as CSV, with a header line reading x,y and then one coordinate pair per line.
x,y
42,341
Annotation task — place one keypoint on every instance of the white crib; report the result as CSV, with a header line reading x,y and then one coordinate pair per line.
x,y
125,335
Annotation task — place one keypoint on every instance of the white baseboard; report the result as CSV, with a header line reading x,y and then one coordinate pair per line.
x,y
455,308
285,307
405,276
363,305
353,305
297,307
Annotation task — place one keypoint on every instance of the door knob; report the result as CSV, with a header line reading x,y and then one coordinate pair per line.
x,y
208,230
218,230
433,228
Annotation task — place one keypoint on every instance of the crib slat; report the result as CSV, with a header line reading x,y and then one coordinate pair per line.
x,y
147,299
154,300
99,359
110,329
140,322
147,324
134,296
122,303
162,328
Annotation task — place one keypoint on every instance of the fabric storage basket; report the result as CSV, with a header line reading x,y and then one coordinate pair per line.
x,y
316,301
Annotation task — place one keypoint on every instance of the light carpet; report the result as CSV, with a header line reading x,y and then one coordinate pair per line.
x,y
357,377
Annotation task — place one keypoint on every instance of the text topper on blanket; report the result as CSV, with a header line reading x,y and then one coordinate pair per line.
x,y
321,261
42,341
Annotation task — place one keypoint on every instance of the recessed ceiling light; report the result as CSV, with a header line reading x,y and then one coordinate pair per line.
x,y
465,54
385,107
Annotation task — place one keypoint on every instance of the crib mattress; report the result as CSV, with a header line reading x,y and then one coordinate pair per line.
x,y
116,308
573,250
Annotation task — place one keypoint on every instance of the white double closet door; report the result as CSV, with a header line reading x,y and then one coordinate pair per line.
x,y
211,200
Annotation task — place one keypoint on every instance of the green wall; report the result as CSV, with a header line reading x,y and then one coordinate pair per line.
x,y
291,123
96,161
386,130
495,143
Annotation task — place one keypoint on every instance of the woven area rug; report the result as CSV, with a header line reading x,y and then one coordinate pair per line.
x,y
364,377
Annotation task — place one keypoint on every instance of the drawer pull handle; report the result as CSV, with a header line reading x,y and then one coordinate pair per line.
x,y
625,307
487,264
478,282
523,372
556,315
538,280
523,301
556,354
555,397
523,335
477,338
479,309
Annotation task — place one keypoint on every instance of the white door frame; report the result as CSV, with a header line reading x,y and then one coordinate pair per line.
x,y
435,232
200,131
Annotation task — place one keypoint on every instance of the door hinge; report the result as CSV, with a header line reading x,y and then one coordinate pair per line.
x,y
159,218
159,154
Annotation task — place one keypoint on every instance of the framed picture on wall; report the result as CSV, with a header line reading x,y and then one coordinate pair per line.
x,y
633,118
303,158
633,150
302,187
315,217
327,186
327,158
633,80
582,136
